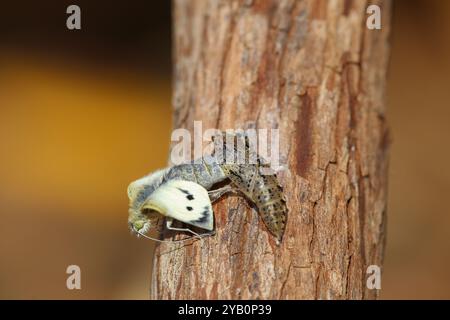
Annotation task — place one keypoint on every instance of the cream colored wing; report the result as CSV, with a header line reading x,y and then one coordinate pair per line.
x,y
184,201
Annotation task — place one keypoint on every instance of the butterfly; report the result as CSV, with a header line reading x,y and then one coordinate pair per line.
x,y
186,192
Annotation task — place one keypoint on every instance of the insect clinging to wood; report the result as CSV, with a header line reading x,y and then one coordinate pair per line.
x,y
185,192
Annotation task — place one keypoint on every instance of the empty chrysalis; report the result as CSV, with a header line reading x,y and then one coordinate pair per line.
x,y
186,192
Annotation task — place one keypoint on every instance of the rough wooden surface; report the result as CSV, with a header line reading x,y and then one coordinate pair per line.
x,y
312,69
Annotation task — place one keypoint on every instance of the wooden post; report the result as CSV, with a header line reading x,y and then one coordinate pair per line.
x,y
312,69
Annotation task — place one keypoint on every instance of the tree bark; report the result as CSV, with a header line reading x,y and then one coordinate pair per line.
x,y
313,70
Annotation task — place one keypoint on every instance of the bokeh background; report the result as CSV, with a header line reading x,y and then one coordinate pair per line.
x,y
83,113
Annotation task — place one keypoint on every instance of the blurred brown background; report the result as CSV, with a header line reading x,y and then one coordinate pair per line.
x,y
83,113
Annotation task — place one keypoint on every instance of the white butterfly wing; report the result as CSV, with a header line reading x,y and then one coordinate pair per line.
x,y
184,201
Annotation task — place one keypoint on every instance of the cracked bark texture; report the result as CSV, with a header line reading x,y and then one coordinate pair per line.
x,y
313,70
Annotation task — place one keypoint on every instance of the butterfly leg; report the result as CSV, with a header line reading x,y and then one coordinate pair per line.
x,y
216,194
169,226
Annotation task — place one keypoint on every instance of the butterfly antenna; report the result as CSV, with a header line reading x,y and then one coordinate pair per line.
x,y
179,240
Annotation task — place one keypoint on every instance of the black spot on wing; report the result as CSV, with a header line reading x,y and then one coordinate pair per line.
x,y
189,195
184,191
189,208
205,215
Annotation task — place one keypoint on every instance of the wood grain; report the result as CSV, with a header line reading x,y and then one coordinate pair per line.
x,y
313,70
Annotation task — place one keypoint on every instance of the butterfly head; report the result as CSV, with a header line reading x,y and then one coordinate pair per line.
x,y
141,217
138,222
